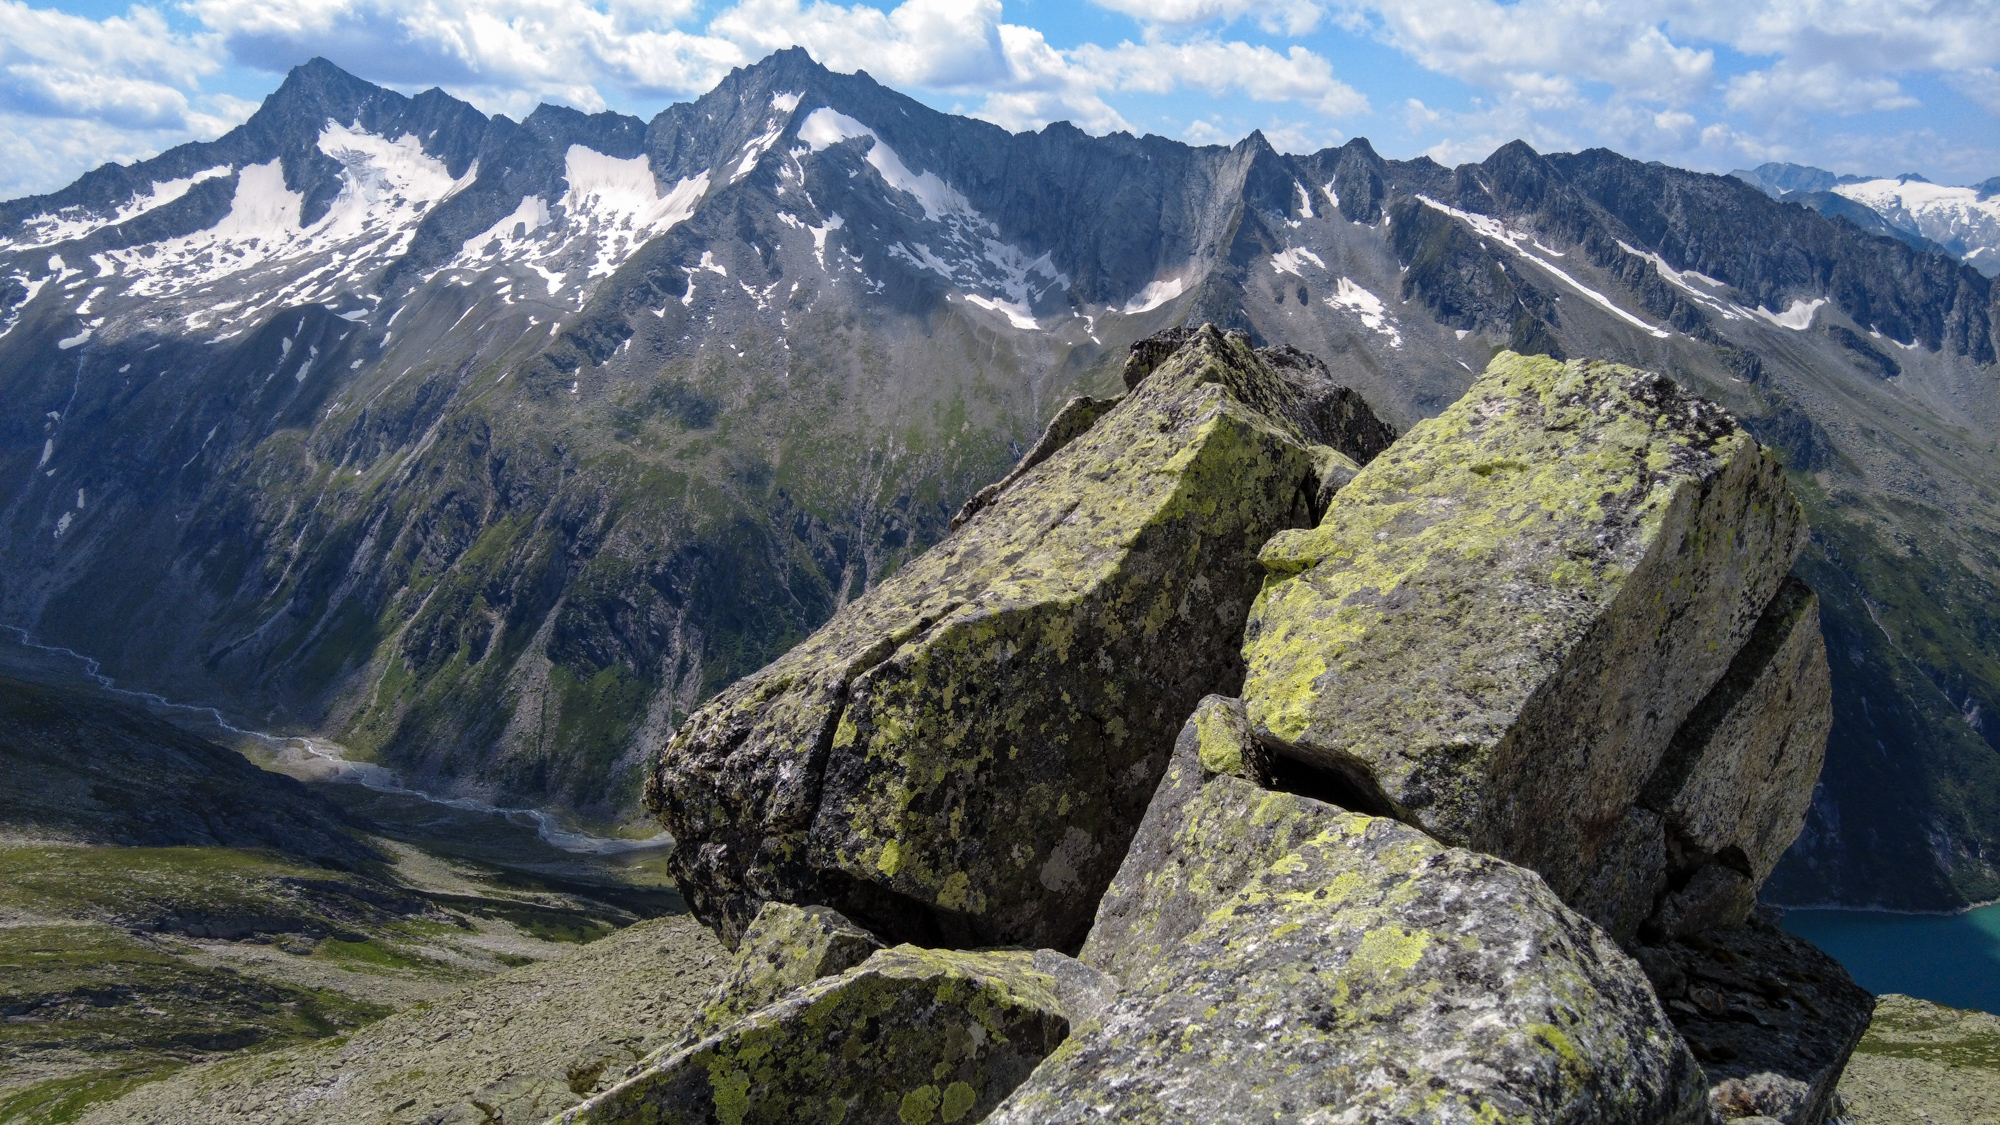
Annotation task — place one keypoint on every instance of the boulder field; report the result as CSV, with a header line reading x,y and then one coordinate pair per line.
x,y
1237,759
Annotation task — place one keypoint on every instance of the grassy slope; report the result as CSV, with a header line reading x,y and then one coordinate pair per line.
x,y
515,1049
1923,1062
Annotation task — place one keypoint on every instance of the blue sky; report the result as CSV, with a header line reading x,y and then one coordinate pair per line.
x,y
1871,86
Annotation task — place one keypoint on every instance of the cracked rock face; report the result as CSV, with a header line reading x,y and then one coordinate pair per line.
x,y
909,1037
1500,624
961,756
1734,787
1281,958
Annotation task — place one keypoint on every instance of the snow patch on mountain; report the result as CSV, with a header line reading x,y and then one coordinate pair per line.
x,y
1293,261
1798,317
31,287
618,204
781,107
1520,241
610,207
1154,295
1373,313
507,238
1704,289
1016,271
1016,313
387,187
824,127
1708,291
833,223
964,248
70,223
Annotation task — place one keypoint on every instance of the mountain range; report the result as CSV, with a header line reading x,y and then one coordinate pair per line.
x,y
1961,221
492,448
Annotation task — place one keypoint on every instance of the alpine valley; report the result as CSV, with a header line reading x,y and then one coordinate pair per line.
x,y
492,449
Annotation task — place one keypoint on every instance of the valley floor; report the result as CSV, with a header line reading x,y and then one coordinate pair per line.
x,y
518,1048
121,965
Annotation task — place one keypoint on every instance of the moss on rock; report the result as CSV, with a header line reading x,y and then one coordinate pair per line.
x,y
786,947
1283,959
909,1037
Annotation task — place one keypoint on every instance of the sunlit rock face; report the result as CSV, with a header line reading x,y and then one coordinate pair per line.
x,y
1501,624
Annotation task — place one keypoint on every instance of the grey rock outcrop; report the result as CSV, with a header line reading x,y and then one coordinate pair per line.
x,y
1500,624
1281,958
961,756
909,1037
1532,696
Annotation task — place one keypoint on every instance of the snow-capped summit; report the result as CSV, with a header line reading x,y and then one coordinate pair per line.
x,y
1965,221
1961,221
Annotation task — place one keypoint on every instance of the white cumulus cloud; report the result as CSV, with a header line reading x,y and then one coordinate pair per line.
x,y
1291,17
128,71
1259,72
1696,82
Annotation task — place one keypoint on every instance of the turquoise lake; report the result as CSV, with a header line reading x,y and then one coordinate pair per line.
x,y
1949,959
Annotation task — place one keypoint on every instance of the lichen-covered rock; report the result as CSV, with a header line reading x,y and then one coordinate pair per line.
x,y
1733,789
909,1037
784,948
1076,416
1772,1018
1283,959
1500,623
960,756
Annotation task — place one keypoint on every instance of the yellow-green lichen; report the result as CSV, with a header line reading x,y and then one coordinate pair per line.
x,y
1425,631
848,1046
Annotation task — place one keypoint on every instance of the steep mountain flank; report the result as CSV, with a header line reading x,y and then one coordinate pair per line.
x,y
82,771
493,448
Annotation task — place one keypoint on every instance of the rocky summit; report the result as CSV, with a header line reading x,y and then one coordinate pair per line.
x,y
1236,759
